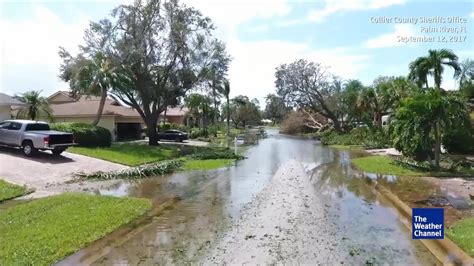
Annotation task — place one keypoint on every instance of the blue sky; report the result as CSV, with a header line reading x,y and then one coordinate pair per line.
x,y
259,35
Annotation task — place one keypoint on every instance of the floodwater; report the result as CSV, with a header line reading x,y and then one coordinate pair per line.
x,y
197,207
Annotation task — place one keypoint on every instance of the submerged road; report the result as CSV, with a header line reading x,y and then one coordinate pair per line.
x,y
291,201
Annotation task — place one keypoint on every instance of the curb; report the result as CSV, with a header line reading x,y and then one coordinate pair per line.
x,y
445,250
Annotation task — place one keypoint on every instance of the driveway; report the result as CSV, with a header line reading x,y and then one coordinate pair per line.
x,y
44,169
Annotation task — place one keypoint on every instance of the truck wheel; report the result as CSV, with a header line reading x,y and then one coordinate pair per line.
x,y
28,149
57,152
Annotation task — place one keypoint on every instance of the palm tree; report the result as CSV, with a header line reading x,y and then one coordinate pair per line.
x,y
466,74
226,92
378,99
433,65
37,106
94,76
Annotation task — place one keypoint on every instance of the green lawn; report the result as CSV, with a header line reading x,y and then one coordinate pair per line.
x,y
206,164
10,191
128,154
43,231
462,233
383,165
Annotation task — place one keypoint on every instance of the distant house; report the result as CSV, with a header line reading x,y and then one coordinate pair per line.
x,y
174,115
122,121
6,103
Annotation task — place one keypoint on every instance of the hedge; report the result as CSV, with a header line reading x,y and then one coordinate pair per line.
x,y
86,135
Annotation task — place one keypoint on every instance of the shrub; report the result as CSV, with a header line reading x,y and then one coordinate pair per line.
x,y
86,135
196,133
294,124
370,139
459,140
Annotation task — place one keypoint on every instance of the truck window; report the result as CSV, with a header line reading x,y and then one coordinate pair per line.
x,y
37,127
14,126
5,125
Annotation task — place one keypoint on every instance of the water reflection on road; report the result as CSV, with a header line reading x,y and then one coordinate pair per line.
x,y
208,201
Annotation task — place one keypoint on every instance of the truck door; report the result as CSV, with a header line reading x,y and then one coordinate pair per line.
x,y
4,132
15,133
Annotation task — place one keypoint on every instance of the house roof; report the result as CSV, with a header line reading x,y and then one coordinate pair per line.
x,y
61,97
87,105
176,111
8,100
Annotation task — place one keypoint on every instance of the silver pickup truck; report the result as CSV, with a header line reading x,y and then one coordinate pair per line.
x,y
32,136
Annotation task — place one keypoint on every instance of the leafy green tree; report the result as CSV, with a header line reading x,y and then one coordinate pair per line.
x,y
200,106
307,85
161,46
421,122
433,65
214,73
382,97
37,106
244,111
466,73
91,76
350,96
275,108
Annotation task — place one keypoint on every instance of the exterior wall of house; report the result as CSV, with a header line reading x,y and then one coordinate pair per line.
x,y
5,112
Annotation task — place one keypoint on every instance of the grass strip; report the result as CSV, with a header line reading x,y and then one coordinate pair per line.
x,y
206,164
381,164
10,191
128,153
462,233
43,231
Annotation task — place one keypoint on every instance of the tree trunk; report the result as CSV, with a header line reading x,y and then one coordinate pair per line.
x,y
228,116
437,151
151,123
336,124
103,97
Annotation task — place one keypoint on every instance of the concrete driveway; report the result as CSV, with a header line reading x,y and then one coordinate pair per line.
x,y
44,169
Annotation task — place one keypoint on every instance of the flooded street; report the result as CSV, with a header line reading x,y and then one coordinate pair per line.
x,y
197,211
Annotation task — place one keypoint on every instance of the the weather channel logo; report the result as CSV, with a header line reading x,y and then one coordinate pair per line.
x,y
427,223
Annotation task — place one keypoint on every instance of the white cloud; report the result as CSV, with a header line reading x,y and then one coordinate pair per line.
x,y
287,23
472,14
253,69
227,15
391,39
335,6
259,28
29,58
29,50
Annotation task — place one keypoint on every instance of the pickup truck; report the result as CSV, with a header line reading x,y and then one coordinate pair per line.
x,y
32,136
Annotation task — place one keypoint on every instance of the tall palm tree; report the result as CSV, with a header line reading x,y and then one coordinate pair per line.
x,y
96,78
378,99
226,92
37,106
466,74
433,65
91,76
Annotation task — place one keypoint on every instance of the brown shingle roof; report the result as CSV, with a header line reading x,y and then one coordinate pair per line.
x,y
8,100
88,106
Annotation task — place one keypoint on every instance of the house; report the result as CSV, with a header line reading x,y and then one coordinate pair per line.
x,y
6,103
122,121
